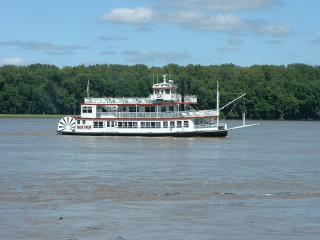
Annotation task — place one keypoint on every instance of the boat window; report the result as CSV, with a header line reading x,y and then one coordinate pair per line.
x,y
97,124
172,124
152,109
119,124
143,125
83,121
108,123
147,109
132,109
153,125
78,121
89,109
167,91
163,109
165,124
179,124
171,109
186,124
112,123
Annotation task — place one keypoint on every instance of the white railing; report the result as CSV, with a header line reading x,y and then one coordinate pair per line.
x,y
186,114
222,126
149,100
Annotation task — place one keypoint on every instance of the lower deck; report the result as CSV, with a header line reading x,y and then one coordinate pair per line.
x,y
172,127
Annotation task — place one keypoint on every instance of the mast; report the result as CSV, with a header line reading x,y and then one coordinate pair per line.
x,y
88,88
218,99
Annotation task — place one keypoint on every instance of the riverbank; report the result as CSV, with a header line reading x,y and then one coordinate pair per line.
x,y
31,116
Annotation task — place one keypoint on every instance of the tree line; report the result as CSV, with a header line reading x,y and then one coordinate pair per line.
x,y
273,92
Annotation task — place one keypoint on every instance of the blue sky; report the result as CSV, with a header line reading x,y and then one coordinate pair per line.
x,y
158,32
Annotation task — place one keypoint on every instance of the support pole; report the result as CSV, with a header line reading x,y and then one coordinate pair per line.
x,y
218,98
243,119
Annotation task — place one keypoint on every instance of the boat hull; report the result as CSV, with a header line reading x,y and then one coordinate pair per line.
x,y
221,133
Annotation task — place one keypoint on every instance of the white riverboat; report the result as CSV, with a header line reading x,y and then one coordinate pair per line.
x,y
163,113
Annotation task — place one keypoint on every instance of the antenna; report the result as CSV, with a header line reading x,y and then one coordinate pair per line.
x,y
218,98
88,88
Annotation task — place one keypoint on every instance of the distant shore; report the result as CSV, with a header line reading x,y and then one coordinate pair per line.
x,y
31,116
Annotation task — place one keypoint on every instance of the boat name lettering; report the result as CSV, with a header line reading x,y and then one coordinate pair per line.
x,y
82,127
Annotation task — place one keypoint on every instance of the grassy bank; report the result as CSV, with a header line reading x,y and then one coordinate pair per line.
x,y
31,116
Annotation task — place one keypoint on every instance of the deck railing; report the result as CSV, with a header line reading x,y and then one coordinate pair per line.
x,y
181,114
133,100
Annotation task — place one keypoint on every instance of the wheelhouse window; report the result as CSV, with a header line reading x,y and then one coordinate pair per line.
x,y
86,109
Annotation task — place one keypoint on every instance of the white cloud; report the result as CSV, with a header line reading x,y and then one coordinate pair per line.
x,y
139,15
274,30
12,61
222,22
193,14
222,5
201,21
147,56
226,23
49,48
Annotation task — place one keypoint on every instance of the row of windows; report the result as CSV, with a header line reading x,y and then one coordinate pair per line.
x,y
150,125
146,109
166,91
172,124
127,125
88,109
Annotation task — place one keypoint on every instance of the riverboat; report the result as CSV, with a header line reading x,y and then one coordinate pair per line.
x,y
163,113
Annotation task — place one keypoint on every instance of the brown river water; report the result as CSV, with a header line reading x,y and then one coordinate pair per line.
x,y
258,183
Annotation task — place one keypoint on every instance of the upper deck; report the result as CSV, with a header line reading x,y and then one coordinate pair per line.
x,y
164,92
136,101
